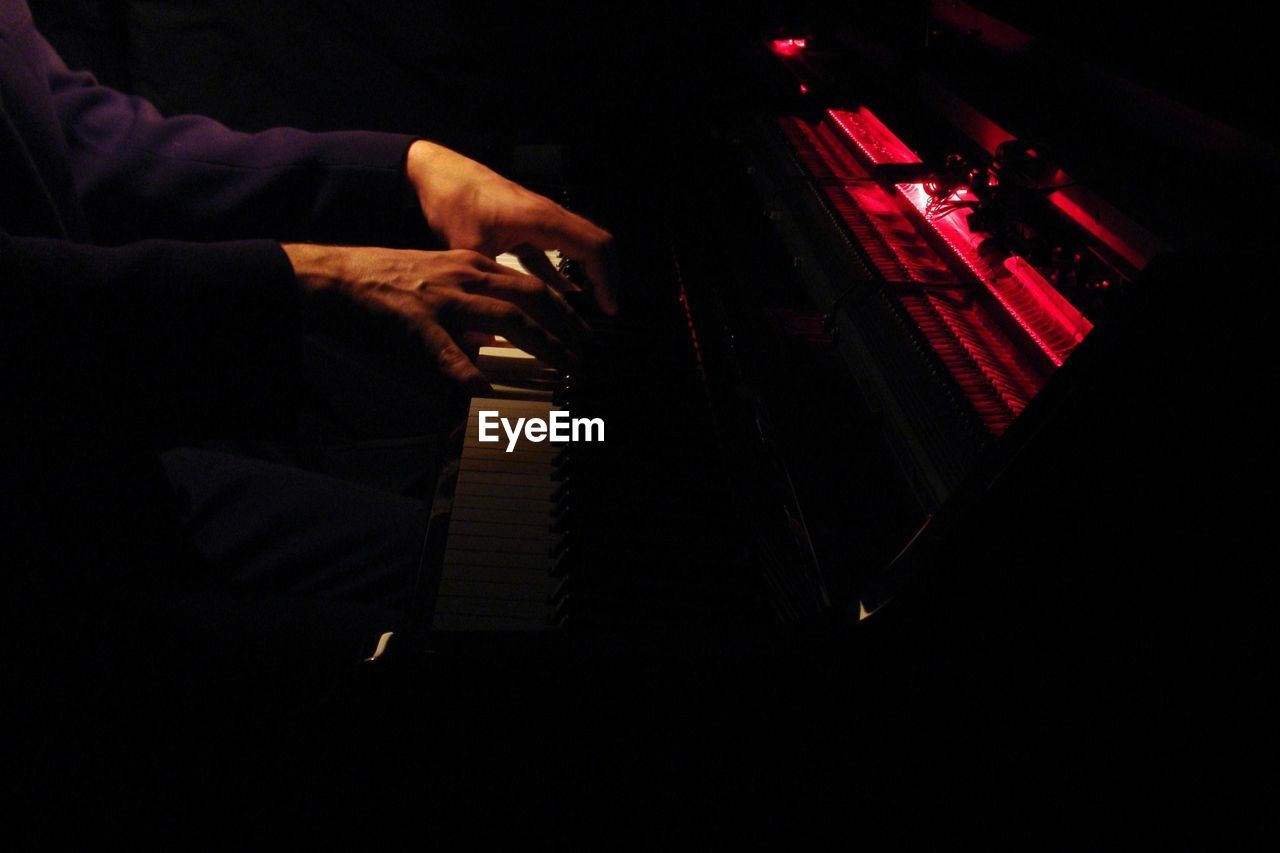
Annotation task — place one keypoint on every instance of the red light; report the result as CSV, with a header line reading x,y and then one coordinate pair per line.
x,y
1049,320
1061,319
789,47
876,142
1054,324
804,90
1104,223
997,371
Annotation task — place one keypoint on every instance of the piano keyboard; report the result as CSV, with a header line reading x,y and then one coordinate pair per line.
x,y
673,533
496,572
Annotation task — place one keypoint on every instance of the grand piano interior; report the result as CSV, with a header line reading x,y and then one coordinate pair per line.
x,y
942,374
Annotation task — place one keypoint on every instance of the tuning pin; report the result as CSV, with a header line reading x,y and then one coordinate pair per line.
x,y
561,518
563,565
560,492
559,615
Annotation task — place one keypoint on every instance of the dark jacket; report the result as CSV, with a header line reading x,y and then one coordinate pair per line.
x,y
87,172
141,282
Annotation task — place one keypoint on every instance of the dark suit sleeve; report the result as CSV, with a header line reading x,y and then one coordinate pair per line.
x,y
157,337
140,174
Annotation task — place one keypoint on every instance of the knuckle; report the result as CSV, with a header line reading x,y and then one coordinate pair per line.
x,y
451,358
474,282
469,257
444,305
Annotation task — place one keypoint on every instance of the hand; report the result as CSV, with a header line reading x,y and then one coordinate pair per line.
x,y
469,206
444,297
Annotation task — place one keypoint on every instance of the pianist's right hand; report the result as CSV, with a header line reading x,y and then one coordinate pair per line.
x,y
443,298
470,206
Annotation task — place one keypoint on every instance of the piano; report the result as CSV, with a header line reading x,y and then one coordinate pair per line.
x,y
591,543
869,339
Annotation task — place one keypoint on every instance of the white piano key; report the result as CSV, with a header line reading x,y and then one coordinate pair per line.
x,y
512,262
496,569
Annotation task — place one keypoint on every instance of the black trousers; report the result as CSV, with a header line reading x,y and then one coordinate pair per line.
x,y
275,561
165,611
330,562
312,545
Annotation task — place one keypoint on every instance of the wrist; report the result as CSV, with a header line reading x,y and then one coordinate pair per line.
x,y
420,162
315,267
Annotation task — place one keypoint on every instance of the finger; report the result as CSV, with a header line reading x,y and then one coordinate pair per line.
x,y
541,302
587,243
535,260
499,317
602,266
537,299
471,342
474,340
452,361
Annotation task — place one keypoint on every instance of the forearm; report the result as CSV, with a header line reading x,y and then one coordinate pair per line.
x,y
142,175
318,268
191,179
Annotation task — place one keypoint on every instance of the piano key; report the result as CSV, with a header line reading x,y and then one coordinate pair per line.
x,y
512,262
500,590
496,571
450,621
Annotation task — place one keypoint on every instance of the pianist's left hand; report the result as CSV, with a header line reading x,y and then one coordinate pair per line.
x,y
469,206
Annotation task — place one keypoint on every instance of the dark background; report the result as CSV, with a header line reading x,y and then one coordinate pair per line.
x,y
474,74
1075,726
1155,105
